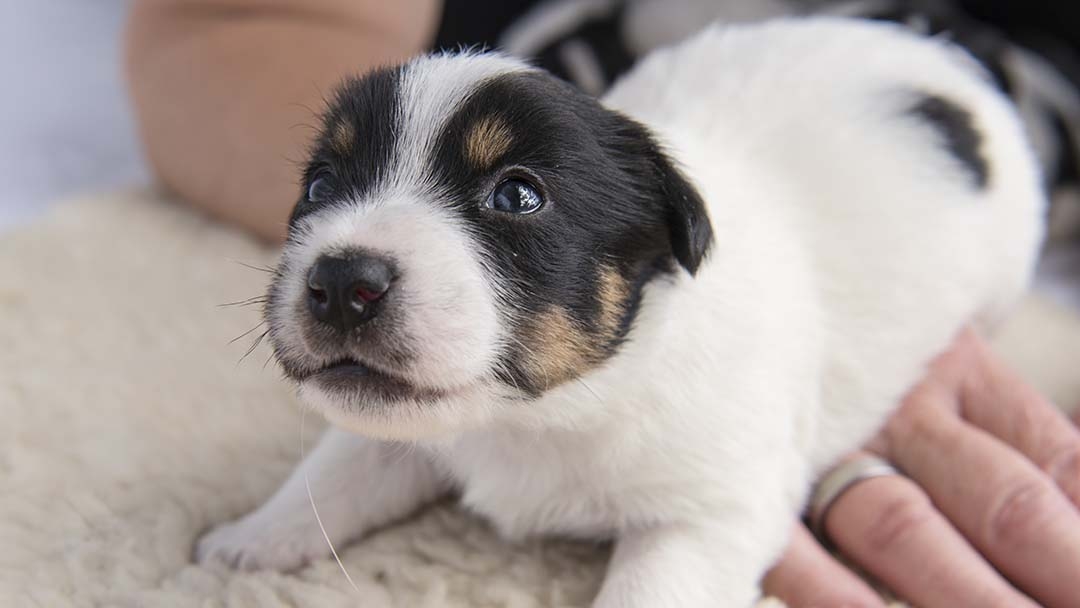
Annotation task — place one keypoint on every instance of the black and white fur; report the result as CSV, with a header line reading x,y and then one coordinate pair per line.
x,y
748,252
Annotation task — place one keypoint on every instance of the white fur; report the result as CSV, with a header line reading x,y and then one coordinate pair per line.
x,y
850,247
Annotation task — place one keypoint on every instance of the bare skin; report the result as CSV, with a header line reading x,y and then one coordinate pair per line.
x,y
989,509
227,92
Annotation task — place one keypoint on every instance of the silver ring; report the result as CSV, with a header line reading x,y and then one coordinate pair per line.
x,y
840,479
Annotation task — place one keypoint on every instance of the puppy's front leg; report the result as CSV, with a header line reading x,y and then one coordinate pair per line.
x,y
679,566
357,484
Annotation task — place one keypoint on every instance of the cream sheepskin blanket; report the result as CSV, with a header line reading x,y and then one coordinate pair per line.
x,y
129,426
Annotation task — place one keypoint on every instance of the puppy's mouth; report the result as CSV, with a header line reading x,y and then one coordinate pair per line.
x,y
355,379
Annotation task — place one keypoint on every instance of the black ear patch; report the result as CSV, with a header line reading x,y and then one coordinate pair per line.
x,y
958,134
689,227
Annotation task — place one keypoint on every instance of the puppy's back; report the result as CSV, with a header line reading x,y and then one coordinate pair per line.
x,y
901,172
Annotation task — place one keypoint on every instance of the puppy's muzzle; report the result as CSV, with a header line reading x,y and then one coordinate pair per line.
x,y
346,292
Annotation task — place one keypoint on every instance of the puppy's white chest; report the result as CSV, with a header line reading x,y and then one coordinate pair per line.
x,y
532,486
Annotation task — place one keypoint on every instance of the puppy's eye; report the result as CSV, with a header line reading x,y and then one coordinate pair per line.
x,y
321,188
515,196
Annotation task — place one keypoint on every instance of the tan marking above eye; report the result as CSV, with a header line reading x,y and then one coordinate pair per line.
x,y
343,136
486,141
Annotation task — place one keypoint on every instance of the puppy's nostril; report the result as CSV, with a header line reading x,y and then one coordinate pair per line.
x,y
367,293
318,298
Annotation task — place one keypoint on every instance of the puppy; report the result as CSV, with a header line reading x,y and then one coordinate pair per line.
x,y
654,318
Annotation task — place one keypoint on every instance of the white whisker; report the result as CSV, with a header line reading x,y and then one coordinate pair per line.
x,y
314,509
589,388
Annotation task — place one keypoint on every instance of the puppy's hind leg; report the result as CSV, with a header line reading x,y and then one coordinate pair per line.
x,y
357,484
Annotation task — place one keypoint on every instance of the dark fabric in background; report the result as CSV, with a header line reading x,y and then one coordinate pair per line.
x,y
1051,27
471,22
1026,18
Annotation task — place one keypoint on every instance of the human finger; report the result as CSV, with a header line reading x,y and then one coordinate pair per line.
x,y
996,400
808,576
889,527
1003,504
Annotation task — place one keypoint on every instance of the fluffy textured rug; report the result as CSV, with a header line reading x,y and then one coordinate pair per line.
x,y
129,426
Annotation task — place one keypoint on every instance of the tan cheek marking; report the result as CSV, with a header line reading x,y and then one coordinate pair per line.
x,y
557,350
486,141
343,136
613,293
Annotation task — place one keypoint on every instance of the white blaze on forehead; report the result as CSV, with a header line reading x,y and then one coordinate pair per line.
x,y
432,89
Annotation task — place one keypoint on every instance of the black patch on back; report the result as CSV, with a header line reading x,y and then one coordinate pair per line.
x,y
368,106
955,126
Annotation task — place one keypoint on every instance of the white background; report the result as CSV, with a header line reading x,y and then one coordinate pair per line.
x,y
65,126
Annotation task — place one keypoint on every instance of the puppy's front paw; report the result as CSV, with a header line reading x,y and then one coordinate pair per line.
x,y
253,543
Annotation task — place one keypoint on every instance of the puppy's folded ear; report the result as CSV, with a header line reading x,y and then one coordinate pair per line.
x,y
688,221
642,164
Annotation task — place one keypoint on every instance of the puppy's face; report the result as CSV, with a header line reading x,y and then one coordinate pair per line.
x,y
472,233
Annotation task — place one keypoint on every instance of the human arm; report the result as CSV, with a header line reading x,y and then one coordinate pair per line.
x,y
227,92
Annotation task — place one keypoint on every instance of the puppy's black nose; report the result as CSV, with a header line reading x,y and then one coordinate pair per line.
x,y
344,292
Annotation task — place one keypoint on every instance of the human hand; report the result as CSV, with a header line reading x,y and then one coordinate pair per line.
x,y
986,513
